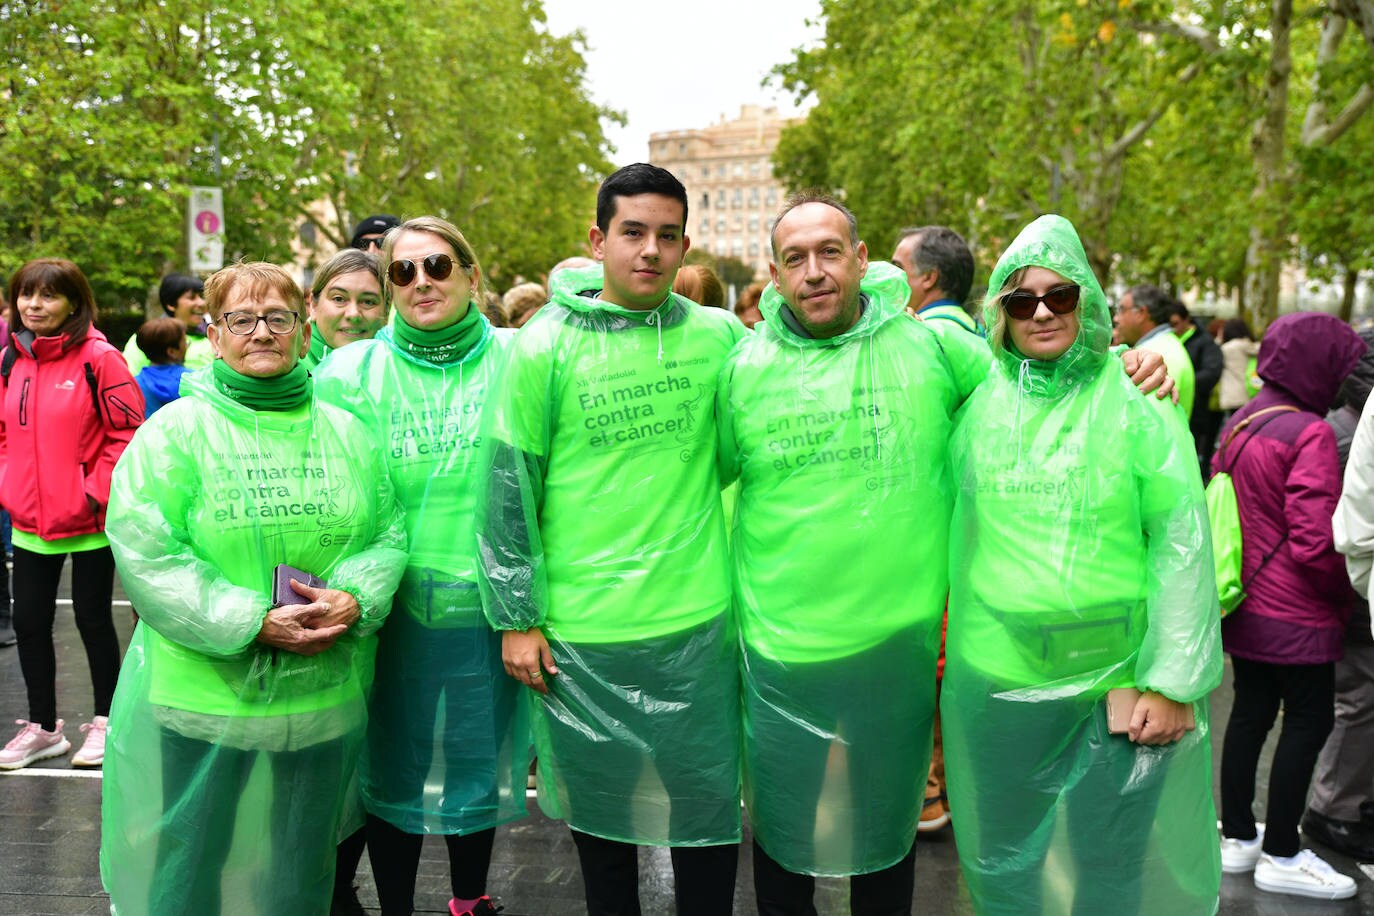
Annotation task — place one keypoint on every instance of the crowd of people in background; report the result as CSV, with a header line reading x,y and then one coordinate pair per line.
x,y
847,551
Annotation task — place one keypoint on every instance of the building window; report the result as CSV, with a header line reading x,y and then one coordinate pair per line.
x,y
706,227
720,199
753,198
754,224
682,149
720,170
753,249
771,198
739,170
736,199
753,170
705,201
720,224
705,171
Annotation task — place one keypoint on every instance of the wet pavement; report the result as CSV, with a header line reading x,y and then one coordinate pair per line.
x,y
50,836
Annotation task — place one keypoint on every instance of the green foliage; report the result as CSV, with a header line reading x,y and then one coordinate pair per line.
x,y
1134,118
110,112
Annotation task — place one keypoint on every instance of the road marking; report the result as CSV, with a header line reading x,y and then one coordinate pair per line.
x,y
1368,871
118,602
60,774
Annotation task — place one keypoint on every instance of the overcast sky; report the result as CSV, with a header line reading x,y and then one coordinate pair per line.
x,y
682,70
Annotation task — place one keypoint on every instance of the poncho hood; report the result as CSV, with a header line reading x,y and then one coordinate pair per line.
x,y
1309,355
885,292
1052,242
575,289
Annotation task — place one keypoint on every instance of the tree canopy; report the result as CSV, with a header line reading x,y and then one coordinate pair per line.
x,y
1155,127
305,113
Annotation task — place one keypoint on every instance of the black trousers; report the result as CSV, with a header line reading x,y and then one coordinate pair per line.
x,y
1307,695
703,877
395,858
887,892
36,578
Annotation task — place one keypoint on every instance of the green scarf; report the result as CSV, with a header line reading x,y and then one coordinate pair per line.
x,y
318,348
280,392
445,346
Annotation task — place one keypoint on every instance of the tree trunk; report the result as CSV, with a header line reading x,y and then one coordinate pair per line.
x,y
1352,281
1264,257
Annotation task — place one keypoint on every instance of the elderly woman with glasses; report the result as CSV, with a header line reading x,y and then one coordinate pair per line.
x,y
1080,565
448,743
257,534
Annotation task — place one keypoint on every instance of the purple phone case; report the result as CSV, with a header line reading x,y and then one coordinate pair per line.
x,y
283,593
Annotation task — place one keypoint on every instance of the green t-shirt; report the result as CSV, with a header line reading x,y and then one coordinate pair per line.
x,y
843,516
616,410
1179,364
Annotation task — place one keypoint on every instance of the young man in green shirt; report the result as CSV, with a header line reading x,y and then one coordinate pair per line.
x,y
603,555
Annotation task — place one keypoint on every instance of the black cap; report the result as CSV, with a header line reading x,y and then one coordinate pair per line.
x,y
374,225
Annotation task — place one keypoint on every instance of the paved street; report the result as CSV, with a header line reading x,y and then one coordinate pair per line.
x,y
50,832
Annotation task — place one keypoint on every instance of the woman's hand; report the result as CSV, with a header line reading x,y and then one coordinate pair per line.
x,y
527,656
1146,369
335,607
298,628
1158,720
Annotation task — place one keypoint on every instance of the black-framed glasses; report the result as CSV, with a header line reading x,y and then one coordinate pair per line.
x,y
1021,304
278,321
373,242
437,267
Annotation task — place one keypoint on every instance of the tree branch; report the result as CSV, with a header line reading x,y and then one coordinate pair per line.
x,y
1196,34
1137,131
1318,129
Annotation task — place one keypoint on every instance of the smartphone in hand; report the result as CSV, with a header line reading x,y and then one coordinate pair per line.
x,y
283,593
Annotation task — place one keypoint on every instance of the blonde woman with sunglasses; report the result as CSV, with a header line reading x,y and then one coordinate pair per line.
x,y
1080,563
447,749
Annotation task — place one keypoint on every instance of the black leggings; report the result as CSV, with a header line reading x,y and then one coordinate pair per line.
x,y
36,577
395,857
703,877
1307,694
886,892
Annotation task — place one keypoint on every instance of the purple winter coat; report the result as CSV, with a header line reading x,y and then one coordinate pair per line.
x,y
1287,483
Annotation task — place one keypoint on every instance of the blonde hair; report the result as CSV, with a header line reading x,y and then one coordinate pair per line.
x,y
435,225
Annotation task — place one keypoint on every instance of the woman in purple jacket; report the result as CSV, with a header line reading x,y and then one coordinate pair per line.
x,y
1285,637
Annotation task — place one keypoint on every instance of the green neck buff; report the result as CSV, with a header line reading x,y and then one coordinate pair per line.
x,y
281,392
445,346
318,348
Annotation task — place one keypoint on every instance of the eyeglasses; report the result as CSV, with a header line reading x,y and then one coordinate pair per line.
x,y
1022,304
375,241
278,322
437,267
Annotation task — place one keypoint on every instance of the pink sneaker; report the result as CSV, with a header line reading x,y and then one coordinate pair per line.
x,y
32,743
92,753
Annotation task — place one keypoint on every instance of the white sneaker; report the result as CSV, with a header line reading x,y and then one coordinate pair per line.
x,y
1305,875
92,753
32,744
1239,856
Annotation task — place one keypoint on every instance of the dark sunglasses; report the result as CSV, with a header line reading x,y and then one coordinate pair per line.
x,y
437,267
365,244
1021,304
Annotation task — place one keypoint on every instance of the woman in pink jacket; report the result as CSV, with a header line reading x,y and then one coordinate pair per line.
x,y
70,408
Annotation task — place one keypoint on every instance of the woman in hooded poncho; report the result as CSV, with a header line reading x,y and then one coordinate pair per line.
x,y
1080,562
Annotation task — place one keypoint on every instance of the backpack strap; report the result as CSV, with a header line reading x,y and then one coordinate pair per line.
x,y
7,363
94,384
1244,424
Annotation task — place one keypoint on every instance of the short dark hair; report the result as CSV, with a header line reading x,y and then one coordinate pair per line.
x,y
1235,328
632,180
174,286
60,276
158,335
812,196
1153,300
941,249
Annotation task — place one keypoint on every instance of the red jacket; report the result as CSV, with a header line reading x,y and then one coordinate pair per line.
x,y
56,452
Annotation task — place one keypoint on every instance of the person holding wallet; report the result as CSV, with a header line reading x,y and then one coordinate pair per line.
x,y
239,717
1080,562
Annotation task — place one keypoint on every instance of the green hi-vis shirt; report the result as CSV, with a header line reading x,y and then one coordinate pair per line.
x,y
616,407
207,500
427,420
843,517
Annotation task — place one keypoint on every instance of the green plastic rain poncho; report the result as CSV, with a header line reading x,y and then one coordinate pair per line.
x,y
228,763
603,527
1080,562
841,536
448,743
